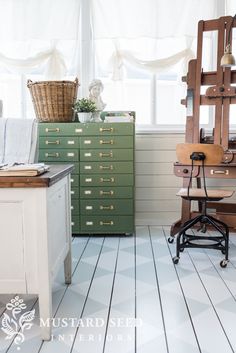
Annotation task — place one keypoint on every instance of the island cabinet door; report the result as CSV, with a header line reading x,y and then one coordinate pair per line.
x,y
12,238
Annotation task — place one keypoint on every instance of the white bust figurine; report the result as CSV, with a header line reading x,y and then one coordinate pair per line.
x,y
95,89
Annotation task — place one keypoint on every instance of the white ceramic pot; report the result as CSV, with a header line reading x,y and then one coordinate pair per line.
x,y
84,117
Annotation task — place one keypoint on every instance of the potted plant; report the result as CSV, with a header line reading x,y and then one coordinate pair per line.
x,y
84,108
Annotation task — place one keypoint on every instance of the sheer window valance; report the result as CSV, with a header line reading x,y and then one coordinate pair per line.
x,y
39,39
151,35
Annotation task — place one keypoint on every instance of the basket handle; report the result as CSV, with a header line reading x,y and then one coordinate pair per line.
x,y
29,82
76,81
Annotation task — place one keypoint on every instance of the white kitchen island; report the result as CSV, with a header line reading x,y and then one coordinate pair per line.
x,y
35,235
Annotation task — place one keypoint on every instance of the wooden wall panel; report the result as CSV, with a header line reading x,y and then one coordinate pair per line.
x,y
156,184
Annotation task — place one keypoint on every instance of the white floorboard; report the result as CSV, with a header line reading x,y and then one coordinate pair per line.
x,y
188,308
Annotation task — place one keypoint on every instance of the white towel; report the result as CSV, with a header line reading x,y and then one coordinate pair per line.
x,y
2,138
34,151
18,145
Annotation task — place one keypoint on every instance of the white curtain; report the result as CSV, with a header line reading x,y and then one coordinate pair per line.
x,y
152,35
35,33
230,7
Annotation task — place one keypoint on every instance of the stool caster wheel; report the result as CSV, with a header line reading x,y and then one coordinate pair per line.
x,y
175,260
181,250
223,263
170,240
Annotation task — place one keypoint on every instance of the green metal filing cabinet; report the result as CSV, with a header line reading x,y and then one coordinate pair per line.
x,y
103,179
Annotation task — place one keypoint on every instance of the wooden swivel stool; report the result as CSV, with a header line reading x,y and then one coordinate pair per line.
x,y
199,156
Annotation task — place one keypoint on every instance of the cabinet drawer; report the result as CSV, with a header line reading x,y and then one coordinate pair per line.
x,y
74,193
107,207
106,180
106,192
75,207
105,129
107,224
106,167
75,225
219,172
185,170
75,164
74,180
58,142
59,155
107,155
60,129
108,142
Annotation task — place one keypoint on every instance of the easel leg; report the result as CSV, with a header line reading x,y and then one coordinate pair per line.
x,y
186,205
185,212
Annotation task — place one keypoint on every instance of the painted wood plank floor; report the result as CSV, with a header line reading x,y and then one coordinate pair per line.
x,y
188,308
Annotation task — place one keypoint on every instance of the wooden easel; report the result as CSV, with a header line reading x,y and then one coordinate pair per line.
x,y
221,94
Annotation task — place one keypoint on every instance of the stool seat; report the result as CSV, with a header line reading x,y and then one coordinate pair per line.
x,y
195,193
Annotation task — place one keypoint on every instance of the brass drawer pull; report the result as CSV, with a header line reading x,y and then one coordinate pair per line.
x,y
72,223
89,223
71,180
106,154
111,207
102,167
106,192
52,130
104,142
56,155
225,172
109,223
71,207
102,129
57,142
107,180
72,192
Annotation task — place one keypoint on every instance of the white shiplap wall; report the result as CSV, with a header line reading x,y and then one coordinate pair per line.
x,y
156,185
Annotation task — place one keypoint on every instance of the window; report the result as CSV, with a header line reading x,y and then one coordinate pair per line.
x,y
35,37
154,94
130,48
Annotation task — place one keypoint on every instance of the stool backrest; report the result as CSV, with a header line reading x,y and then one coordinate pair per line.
x,y
213,153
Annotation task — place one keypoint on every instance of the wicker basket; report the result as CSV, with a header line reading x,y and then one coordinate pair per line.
x,y
53,100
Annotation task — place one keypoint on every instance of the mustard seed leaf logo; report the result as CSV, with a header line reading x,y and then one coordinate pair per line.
x,y
17,323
